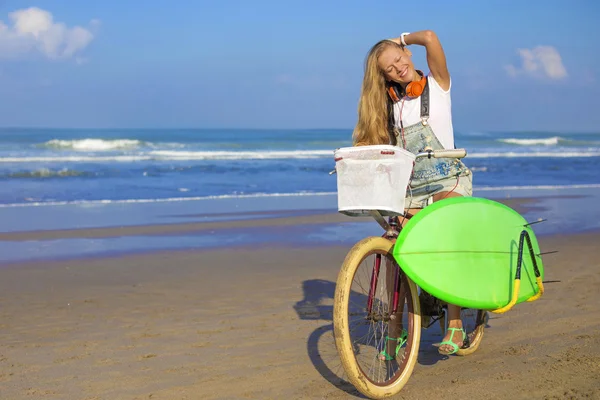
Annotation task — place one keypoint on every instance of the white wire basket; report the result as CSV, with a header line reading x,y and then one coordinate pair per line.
x,y
372,178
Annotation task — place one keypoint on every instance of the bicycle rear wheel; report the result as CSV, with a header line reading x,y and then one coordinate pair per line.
x,y
474,322
364,319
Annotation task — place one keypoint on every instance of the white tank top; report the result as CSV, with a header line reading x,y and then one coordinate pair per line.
x,y
440,112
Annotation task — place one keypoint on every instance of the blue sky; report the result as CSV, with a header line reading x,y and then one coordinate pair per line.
x,y
516,65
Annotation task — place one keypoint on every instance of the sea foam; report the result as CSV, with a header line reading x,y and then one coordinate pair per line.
x,y
93,144
532,142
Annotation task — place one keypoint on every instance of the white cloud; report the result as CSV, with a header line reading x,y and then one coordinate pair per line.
x,y
34,30
540,62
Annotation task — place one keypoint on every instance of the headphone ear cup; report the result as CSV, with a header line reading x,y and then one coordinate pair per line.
x,y
414,89
394,94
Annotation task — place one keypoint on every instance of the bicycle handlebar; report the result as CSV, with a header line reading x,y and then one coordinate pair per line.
x,y
429,153
446,153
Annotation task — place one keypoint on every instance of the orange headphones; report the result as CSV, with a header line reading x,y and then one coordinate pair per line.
x,y
413,89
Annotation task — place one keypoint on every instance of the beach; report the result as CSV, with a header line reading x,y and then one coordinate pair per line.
x,y
175,212
201,264
252,320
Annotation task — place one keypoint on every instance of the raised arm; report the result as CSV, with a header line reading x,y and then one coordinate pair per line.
x,y
436,59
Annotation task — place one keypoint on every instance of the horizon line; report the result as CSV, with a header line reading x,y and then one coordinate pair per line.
x,y
2,128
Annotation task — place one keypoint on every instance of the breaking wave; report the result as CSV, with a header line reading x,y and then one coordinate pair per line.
x,y
93,144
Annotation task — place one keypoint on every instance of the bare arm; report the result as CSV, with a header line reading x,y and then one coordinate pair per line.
x,y
436,59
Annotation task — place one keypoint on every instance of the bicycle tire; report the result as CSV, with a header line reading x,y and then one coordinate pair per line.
x,y
476,336
345,347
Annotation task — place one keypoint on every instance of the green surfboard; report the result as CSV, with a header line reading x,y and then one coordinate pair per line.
x,y
464,251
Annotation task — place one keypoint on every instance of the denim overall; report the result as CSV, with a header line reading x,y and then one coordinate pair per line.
x,y
430,175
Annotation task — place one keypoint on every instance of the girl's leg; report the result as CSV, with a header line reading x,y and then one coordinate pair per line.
x,y
454,320
410,212
395,326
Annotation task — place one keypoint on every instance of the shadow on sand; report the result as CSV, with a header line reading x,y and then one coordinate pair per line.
x,y
317,305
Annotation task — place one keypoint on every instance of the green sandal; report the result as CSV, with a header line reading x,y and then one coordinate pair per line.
x,y
401,342
449,342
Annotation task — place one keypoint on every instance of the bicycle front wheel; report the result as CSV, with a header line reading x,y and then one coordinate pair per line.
x,y
375,307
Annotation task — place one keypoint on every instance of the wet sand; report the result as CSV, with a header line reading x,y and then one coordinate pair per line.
x,y
234,324
250,220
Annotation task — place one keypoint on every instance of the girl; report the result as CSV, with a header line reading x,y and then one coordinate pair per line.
x,y
400,105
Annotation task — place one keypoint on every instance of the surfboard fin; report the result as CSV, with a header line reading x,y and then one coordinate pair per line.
x,y
536,222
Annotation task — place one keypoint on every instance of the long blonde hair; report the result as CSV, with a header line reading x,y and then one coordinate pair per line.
x,y
372,126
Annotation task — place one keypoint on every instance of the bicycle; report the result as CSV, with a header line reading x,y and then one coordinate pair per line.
x,y
377,332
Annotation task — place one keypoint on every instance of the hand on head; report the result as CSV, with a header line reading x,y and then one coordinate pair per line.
x,y
395,40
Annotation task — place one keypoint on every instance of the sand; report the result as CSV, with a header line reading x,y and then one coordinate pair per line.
x,y
233,324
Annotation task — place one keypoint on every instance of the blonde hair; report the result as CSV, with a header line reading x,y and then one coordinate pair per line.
x,y
372,126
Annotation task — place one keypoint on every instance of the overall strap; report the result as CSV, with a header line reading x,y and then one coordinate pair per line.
x,y
425,103
424,113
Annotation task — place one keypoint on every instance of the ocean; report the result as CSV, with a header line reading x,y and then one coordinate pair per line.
x,y
41,167
70,180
